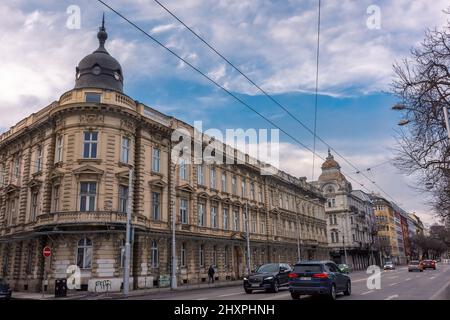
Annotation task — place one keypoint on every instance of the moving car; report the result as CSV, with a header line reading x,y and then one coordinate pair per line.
x,y
344,268
415,265
269,277
5,290
318,278
429,264
388,265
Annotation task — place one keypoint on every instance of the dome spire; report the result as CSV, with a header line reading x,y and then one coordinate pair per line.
x,y
102,36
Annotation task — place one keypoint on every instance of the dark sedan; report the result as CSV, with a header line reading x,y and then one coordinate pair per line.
x,y
269,277
318,278
5,290
429,264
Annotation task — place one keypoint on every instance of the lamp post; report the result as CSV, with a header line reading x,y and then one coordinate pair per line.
x,y
126,271
247,236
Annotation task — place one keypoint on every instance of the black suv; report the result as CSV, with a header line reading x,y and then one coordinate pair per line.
x,y
5,290
269,277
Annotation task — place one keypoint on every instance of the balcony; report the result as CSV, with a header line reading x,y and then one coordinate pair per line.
x,y
87,218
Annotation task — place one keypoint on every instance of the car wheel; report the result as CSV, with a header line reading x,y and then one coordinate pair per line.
x,y
348,289
332,294
248,291
421,270
276,287
295,296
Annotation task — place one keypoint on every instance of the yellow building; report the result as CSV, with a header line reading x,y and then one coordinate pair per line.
x,y
64,183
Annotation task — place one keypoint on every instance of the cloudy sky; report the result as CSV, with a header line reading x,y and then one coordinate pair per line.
x,y
273,42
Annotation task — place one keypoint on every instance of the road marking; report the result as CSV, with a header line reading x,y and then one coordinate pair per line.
x,y
367,292
201,299
393,284
432,277
230,294
394,277
359,280
392,297
407,279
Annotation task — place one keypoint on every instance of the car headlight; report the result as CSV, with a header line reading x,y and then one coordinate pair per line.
x,y
245,279
268,278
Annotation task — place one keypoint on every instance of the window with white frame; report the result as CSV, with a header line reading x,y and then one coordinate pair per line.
x,y
183,170
243,191
184,210
201,214
156,207
224,182
123,198
213,216
88,193
156,159
154,254
225,218
59,148
212,178
125,150
254,222
233,185
263,227
84,253
39,159
200,175
55,202
90,144
235,220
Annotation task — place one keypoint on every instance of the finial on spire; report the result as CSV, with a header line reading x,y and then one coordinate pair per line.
x,y
102,36
329,152
103,21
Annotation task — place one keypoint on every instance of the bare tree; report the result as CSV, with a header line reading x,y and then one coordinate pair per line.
x,y
422,83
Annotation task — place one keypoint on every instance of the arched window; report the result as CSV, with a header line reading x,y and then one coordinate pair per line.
x,y
84,253
154,253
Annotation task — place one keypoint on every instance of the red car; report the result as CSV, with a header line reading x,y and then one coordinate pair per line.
x,y
429,264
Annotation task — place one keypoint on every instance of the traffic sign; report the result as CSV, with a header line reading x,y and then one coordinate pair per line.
x,y
47,252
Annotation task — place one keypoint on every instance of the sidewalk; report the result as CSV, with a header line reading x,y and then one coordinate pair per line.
x,y
84,295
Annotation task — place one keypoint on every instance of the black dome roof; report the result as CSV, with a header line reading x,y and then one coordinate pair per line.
x,y
99,69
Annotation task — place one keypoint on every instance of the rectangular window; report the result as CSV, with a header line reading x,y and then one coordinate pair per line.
x,y
2,175
260,194
55,205
233,185
213,217
183,255
123,198
156,158
39,158
225,218
212,179
201,258
16,169
156,205
88,192
90,144
235,220
93,97
201,214
254,224
34,205
154,254
125,150
224,182
184,211
243,191
200,175
252,190
59,148
183,170
263,227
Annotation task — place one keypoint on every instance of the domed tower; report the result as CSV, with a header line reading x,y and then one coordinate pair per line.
x,y
331,174
99,69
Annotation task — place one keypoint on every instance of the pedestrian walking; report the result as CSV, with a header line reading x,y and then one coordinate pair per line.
x,y
211,272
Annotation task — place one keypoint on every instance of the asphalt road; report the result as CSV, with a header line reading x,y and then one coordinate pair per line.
x,y
396,284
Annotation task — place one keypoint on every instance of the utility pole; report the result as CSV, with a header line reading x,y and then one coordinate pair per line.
x,y
126,271
298,241
248,238
173,278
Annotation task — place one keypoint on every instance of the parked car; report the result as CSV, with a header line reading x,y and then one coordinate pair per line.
x,y
5,290
344,268
429,264
415,265
388,265
318,278
269,277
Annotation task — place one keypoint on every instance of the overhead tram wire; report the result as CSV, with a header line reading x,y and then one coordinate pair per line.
x,y
272,98
217,84
317,89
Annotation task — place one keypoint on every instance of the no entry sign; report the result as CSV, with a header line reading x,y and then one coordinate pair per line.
x,y
47,252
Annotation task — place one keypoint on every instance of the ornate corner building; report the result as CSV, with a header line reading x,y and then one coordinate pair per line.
x,y
64,184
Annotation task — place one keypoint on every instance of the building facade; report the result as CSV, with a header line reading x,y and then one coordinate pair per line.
x,y
349,218
64,174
